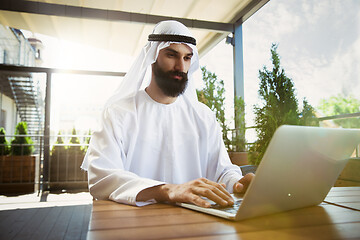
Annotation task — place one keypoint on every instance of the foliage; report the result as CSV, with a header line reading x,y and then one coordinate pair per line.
x,y
280,106
212,95
340,104
307,116
21,145
238,139
74,140
4,144
58,149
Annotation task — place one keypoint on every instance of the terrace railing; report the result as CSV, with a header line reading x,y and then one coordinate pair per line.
x,y
24,174
232,132
9,70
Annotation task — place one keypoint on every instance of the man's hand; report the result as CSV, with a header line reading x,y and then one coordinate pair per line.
x,y
190,192
242,185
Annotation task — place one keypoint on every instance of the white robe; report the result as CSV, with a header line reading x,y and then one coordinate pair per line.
x,y
143,143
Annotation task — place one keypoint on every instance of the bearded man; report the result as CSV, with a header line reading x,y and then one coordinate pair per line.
x,y
157,142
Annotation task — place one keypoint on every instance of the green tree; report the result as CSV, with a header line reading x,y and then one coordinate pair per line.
x,y
307,116
212,95
21,145
4,144
279,106
340,104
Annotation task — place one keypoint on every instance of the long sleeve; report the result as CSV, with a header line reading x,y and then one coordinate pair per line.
x,y
104,162
220,167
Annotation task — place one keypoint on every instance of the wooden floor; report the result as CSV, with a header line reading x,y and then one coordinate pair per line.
x,y
55,216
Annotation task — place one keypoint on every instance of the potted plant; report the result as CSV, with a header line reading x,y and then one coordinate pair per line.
x,y
65,172
4,151
76,155
57,157
19,166
21,145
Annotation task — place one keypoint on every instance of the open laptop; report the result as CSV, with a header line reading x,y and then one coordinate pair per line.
x,y
298,169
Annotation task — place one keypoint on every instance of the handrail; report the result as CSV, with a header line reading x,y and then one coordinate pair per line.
x,y
340,116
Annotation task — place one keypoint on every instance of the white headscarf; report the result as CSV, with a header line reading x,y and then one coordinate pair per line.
x,y
136,78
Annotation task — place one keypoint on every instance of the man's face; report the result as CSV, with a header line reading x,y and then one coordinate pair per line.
x,y
171,68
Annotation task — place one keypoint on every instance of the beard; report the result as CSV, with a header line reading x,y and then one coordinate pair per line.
x,y
169,85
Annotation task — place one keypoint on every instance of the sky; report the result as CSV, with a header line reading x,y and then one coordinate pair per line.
x,y
318,43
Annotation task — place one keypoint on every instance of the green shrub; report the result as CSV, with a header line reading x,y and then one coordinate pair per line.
x,y
21,145
4,144
75,140
58,149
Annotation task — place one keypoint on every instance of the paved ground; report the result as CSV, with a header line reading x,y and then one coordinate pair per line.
x,y
47,200
50,216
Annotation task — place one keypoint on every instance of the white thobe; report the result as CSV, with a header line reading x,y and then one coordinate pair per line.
x,y
143,143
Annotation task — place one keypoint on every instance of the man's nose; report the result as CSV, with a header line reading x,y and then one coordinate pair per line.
x,y
180,65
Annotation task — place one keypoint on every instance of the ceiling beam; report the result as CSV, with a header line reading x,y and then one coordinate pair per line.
x,y
61,10
248,11
10,69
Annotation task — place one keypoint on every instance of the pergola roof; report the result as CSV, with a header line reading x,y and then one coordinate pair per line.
x,y
123,25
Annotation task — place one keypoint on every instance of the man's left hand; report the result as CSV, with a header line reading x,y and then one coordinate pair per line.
x,y
242,185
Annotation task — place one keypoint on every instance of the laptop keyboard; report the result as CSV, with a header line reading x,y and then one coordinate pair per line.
x,y
231,209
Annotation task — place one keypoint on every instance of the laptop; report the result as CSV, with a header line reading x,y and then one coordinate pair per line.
x,y
298,169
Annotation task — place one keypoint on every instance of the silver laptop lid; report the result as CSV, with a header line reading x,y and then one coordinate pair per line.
x,y
298,169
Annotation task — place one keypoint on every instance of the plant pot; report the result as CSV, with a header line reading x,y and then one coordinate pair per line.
x,y
239,158
17,174
65,171
17,169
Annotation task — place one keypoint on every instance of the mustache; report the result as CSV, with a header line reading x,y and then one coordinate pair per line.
x,y
178,73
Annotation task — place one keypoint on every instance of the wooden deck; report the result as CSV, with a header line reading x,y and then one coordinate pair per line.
x,y
55,216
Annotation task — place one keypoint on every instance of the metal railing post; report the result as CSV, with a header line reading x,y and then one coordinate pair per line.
x,y
45,172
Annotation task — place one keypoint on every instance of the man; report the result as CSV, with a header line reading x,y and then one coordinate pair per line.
x,y
159,144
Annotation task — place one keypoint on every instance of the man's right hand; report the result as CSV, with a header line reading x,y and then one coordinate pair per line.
x,y
190,192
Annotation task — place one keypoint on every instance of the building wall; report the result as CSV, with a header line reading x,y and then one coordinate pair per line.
x,y
8,114
15,49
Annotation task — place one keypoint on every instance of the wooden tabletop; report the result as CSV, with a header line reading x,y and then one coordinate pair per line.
x,y
338,217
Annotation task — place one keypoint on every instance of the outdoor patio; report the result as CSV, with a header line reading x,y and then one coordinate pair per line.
x,y
59,206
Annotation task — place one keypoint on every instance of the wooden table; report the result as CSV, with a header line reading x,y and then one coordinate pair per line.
x,y
338,217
